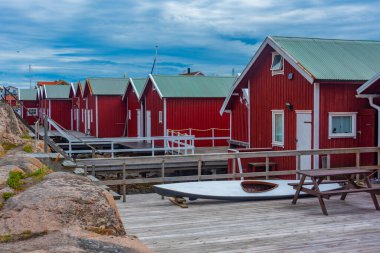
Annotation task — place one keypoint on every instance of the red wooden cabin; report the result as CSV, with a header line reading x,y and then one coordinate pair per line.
x,y
57,104
131,98
186,105
105,113
302,95
76,96
29,105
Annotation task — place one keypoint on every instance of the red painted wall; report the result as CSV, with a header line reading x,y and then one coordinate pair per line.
x,y
341,98
112,116
239,119
60,112
198,113
25,106
154,104
133,105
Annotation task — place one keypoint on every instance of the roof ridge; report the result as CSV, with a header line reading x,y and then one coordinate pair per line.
x,y
318,38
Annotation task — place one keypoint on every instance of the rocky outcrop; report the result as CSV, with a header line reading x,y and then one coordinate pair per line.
x,y
26,163
64,206
10,128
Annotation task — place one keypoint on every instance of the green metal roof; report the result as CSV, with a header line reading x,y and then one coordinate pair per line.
x,y
193,86
57,91
139,84
108,86
333,59
28,94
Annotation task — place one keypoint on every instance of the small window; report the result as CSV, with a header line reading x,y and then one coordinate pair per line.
x,y
32,112
129,114
342,124
160,117
277,66
278,128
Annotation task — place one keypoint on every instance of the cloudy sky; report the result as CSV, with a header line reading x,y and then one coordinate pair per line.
x,y
74,39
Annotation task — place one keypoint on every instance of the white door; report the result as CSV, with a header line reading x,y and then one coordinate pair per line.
x,y
148,124
304,138
88,121
139,120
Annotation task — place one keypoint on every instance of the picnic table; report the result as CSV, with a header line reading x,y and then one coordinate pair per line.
x,y
317,177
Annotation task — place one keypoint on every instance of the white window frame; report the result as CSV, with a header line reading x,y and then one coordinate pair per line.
x,y
343,135
32,114
277,72
274,142
160,117
129,115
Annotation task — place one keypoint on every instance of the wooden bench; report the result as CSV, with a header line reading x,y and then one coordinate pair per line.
x,y
317,177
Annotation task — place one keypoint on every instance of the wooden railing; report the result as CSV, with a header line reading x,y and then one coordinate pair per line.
x,y
89,164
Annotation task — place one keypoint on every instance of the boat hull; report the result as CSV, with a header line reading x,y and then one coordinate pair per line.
x,y
232,190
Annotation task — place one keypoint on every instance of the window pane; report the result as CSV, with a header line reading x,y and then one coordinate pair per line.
x,y
277,63
278,128
341,124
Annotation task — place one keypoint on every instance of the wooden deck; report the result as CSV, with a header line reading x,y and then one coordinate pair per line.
x,y
353,225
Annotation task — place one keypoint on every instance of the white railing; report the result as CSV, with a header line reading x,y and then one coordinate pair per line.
x,y
193,131
183,145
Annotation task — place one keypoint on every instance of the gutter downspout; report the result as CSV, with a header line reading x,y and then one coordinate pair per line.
x,y
373,105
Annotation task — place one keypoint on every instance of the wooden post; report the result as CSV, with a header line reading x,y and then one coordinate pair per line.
x,y
199,170
213,136
357,163
234,168
45,134
163,174
378,163
298,168
152,147
93,170
266,167
112,150
124,186
328,164
85,170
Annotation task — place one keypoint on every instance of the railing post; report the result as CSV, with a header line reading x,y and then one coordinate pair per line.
x,y
199,170
234,168
93,170
153,147
163,173
124,186
266,167
85,170
357,162
328,163
112,149
70,148
298,164
213,136
378,163
45,134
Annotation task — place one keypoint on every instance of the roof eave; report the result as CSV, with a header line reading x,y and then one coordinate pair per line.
x,y
367,84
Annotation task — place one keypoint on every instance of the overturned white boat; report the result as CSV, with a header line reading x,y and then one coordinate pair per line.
x,y
236,190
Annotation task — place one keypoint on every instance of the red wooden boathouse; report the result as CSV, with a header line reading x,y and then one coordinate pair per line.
x,y
302,95
29,105
186,105
105,113
57,104
131,98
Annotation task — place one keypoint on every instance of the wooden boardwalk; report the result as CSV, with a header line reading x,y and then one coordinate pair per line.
x,y
353,225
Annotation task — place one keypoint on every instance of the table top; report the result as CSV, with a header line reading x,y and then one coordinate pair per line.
x,y
334,172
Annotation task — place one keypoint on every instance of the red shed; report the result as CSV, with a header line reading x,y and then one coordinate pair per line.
x,y
105,113
131,98
302,95
29,105
186,104
57,104
77,103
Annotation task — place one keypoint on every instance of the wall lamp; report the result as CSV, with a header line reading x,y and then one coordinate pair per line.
x,y
289,106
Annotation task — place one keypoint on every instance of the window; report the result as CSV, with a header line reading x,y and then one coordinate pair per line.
x,y
277,66
160,117
342,124
129,114
32,112
278,128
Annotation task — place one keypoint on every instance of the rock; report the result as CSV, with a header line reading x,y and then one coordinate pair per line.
x,y
24,162
60,200
4,173
10,128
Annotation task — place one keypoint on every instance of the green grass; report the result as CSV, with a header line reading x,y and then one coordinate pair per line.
x,y
6,238
39,174
28,148
7,195
8,146
15,180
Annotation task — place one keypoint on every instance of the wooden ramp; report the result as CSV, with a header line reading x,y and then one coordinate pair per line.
x,y
261,226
